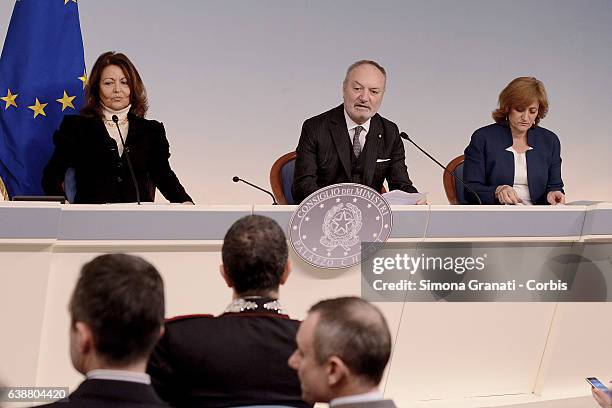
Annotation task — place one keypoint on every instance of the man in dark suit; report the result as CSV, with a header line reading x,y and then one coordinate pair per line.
x,y
352,143
117,311
240,357
343,347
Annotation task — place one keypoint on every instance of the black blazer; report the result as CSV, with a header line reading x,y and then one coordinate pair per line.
x,y
488,164
324,155
111,393
234,359
102,176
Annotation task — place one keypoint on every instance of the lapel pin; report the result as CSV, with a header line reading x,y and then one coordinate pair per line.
x,y
380,136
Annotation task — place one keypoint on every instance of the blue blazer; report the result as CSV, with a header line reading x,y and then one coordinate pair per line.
x,y
488,164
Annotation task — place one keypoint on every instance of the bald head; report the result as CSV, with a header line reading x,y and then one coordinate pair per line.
x,y
355,331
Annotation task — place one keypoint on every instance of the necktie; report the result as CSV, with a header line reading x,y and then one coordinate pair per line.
x,y
356,144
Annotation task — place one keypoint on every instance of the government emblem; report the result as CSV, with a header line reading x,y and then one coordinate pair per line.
x,y
339,225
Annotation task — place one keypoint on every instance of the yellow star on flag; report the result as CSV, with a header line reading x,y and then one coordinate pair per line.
x,y
9,99
66,1
66,101
84,79
38,108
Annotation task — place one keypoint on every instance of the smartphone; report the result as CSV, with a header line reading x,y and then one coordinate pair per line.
x,y
597,384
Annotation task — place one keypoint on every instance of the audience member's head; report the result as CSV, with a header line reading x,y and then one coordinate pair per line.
x,y
254,257
117,312
343,347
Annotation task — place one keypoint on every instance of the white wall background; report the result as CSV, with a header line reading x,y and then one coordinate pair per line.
x,y
233,80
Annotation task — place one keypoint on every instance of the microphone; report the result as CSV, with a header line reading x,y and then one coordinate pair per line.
x,y
404,136
127,158
236,179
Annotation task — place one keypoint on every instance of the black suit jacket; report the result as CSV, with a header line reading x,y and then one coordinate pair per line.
x,y
324,155
234,359
102,176
111,393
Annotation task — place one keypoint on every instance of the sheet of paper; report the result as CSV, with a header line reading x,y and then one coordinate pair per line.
x,y
399,197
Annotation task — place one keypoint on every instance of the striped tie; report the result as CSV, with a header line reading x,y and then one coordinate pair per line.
x,y
356,144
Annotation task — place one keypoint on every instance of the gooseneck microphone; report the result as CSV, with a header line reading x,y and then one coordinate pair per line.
x,y
236,179
404,136
126,150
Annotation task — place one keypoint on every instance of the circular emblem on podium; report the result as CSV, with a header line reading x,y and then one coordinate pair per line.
x,y
339,225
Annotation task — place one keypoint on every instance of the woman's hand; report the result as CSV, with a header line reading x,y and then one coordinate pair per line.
x,y
555,197
507,195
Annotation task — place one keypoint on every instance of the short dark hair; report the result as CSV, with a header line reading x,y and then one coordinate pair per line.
x,y
355,331
519,94
254,254
121,298
138,92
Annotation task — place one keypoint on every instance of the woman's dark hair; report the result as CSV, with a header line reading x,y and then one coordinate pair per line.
x,y
138,93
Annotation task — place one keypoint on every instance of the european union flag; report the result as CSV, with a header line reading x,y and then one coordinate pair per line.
x,y
42,77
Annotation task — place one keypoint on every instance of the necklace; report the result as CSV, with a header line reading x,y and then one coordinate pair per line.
x,y
121,122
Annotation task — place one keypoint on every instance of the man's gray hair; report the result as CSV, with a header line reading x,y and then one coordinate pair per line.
x,y
355,331
365,62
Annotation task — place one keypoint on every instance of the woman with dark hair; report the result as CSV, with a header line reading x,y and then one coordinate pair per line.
x,y
90,143
515,161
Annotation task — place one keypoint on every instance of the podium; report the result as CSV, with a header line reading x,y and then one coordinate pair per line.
x,y
464,354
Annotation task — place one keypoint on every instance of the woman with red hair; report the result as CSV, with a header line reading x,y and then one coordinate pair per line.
x,y
515,161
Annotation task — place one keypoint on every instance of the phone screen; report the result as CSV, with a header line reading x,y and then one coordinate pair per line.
x,y
597,384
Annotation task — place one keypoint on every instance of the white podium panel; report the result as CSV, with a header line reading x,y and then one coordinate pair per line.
x,y
467,354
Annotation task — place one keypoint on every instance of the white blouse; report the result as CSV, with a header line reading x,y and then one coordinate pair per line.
x,y
111,127
521,186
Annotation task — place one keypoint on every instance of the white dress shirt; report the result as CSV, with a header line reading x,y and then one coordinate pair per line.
x,y
355,399
350,125
118,375
521,185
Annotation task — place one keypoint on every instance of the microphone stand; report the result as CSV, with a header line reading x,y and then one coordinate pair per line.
x,y
236,179
126,150
404,136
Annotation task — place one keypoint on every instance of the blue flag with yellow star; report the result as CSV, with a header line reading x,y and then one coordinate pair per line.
x,y
42,76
